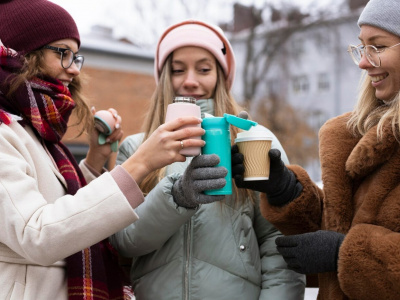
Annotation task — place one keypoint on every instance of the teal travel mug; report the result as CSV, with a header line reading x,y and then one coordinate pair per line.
x,y
218,141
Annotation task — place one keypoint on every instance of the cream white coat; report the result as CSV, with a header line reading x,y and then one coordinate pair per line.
x,y
40,225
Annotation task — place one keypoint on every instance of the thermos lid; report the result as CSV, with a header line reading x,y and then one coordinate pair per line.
x,y
239,122
102,125
224,122
185,100
215,123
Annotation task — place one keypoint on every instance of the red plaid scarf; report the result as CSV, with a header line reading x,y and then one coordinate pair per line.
x,y
45,105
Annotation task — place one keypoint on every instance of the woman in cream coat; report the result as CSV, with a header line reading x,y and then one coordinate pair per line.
x,y
52,223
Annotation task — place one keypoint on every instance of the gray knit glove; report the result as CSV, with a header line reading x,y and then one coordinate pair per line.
x,y
313,252
199,176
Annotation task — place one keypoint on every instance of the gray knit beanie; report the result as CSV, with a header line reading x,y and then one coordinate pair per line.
x,y
383,14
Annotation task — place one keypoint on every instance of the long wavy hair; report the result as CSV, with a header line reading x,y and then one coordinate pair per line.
x,y
163,96
33,67
370,111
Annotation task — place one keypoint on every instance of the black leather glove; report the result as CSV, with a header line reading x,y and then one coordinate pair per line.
x,y
310,253
282,186
199,176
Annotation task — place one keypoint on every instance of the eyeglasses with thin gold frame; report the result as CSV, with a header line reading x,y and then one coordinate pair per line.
x,y
372,53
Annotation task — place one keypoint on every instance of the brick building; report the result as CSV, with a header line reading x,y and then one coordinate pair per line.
x,y
117,74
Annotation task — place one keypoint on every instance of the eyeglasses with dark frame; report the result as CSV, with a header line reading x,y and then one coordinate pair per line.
x,y
372,53
67,57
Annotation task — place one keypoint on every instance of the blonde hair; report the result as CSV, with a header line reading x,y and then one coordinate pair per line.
x,y
370,111
163,96
33,67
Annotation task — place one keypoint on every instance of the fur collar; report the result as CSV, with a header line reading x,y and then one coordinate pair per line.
x,y
345,161
371,152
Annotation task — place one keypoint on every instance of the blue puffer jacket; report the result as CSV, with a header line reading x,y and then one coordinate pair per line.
x,y
219,251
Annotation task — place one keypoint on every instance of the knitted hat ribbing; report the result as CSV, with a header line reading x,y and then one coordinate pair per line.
x,y
384,14
198,34
27,25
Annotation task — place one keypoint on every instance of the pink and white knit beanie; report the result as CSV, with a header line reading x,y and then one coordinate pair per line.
x,y
199,34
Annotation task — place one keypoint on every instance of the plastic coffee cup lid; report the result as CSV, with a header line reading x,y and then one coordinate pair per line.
x,y
257,133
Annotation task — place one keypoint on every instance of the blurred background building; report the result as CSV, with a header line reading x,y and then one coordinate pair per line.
x,y
117,74
293,73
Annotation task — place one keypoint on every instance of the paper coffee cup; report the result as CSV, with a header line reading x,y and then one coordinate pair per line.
x,y
254,145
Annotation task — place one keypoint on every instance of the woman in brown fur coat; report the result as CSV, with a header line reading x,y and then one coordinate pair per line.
x,y
349,232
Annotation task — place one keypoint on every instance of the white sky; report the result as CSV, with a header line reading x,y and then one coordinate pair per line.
x,y
142,21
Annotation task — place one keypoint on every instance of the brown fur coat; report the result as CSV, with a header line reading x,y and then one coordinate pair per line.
x,y
361,198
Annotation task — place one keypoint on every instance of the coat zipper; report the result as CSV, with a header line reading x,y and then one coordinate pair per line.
x,y
187,264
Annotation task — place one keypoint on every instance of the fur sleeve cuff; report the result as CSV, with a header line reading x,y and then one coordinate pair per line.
x,y
369,263
301,215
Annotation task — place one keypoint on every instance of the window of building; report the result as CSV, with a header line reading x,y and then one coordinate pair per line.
x,y
300,84
322,40
323,82
298,46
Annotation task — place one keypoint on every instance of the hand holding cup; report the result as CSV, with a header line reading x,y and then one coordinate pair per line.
x,y
282,186
255,144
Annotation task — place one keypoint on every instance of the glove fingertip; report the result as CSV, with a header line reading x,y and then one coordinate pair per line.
x,y
206,160
217,173
243,114
221,182
238,180
214,159
274,154
234,149
237,170
237,158
285,241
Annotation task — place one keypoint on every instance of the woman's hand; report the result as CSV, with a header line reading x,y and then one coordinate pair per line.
x,y
200,175
282,186
98,154
163,145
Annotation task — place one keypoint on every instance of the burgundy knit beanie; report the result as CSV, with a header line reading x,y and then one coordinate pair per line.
x,y
27,25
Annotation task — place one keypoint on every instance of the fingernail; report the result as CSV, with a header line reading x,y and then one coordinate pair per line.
x,y
108,140
117,126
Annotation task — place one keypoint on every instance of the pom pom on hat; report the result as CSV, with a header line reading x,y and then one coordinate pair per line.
x,y
27,25
198,34
383,14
